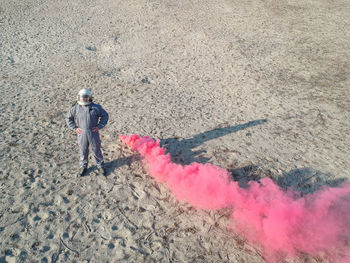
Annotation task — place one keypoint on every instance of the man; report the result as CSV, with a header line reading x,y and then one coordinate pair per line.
x,y
86,119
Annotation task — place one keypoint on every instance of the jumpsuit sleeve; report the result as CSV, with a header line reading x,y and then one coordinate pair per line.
x,y
70,119
103,119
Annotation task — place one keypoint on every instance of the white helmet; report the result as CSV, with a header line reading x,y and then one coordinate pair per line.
x,y
84,93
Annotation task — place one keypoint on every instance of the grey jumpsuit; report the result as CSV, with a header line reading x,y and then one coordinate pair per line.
x,y
85,118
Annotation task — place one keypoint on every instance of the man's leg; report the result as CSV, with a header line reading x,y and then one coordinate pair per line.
x,y
83,150
96,150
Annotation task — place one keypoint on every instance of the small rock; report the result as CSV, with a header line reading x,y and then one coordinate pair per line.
x,y
145,80
91,48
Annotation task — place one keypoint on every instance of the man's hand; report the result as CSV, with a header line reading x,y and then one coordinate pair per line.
x,y
78,131
95,129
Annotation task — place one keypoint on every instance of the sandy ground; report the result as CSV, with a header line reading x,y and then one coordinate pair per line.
x,y
258,87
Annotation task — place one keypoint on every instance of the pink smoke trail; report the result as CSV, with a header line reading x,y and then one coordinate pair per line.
x,y
282,222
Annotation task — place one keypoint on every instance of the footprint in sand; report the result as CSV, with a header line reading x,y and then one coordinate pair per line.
x,y
45,249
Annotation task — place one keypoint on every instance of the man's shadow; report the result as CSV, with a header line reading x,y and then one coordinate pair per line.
x,y
181,149
304,180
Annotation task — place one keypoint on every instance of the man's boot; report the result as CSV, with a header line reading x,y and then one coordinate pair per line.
x,y
82,171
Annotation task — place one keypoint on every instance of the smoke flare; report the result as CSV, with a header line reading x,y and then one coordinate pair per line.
x,y
282,222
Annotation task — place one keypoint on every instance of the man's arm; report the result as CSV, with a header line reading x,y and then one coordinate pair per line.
x,y
103,119
70,119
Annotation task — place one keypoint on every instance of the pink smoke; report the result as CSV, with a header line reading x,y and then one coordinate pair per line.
x,y
282,222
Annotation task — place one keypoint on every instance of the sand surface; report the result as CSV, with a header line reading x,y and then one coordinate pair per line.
x,y
258,87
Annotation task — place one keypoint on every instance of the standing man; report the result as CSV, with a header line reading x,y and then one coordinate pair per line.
x,y
86,119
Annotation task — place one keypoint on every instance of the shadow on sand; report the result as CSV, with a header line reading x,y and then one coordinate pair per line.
x,y
115,164
304,180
